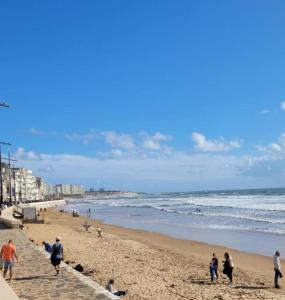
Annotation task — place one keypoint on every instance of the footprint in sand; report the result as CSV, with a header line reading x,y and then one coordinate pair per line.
x,y
218,297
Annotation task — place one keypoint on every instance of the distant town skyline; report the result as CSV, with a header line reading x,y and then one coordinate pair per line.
x,y
145,96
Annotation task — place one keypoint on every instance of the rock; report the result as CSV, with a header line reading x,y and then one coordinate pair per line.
x,y
79,268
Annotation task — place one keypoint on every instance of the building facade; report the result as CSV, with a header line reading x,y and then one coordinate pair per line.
x,y
19,185
26,187
69,190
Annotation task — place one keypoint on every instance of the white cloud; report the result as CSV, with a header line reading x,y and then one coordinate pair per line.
x,y
275,148
145,162
176,172
146,174
85,138
117,153
205,145
35,131
265,111
46,169
22,154
119,140
38,132
122,144
155,142
282,105
150,144
158,136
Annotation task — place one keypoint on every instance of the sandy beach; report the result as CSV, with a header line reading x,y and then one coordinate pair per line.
x,y
155,266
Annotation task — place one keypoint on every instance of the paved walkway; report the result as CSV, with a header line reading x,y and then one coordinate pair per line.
x,y
34,276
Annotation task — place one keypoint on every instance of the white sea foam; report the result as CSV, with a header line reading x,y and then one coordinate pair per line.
x,y
256,211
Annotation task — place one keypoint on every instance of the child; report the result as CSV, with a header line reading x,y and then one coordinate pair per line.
x,y
213,271
99,232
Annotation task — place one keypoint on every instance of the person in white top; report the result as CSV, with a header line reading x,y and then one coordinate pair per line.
x,y
99,232
111,289
277,268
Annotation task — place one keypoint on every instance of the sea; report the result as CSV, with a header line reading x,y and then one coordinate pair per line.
x,y
247,220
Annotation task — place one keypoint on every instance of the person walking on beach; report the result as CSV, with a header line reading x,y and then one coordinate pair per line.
x,y
228,267
277,268
99,232
56,254
214,268
8,252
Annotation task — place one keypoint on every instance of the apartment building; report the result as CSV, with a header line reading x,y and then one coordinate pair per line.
x,y
26,186
69,190
20,185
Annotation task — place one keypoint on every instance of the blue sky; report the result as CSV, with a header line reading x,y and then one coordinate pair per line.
x,y
146,95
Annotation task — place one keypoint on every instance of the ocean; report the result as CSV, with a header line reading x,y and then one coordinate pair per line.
x,y
248,220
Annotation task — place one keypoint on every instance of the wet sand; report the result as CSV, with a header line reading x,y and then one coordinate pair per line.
x,y
155,266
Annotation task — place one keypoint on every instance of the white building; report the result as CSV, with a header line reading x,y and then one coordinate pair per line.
x,y
48,191
20,185
68,189
77,189
26,186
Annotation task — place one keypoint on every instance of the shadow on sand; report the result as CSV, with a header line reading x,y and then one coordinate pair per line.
x,y
242,287
205,282
35,277
256,287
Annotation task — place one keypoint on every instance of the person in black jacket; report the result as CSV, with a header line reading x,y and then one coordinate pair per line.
x,y
228,267
56,254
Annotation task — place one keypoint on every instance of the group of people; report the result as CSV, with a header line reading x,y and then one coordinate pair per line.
x,y
8,256
228,267
56,256
75,214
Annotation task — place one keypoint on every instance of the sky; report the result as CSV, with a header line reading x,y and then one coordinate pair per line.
x,y
151,96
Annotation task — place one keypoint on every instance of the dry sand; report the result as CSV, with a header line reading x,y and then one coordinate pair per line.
x,y
154,266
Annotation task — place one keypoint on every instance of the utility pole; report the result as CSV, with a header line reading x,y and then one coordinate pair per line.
x,y
10,183
1,182
14,177
2,104
9,159
1,170
20,192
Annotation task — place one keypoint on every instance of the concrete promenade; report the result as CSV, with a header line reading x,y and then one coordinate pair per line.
x,y
34,277
8,220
